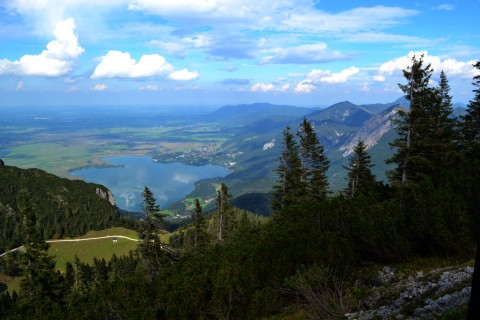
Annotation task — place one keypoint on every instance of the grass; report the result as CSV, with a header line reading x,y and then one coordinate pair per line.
x,y
86,250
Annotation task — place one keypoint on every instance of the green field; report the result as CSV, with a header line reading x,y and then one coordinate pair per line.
x,y
101,248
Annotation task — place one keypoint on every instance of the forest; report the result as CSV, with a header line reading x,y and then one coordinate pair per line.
x,y
302,263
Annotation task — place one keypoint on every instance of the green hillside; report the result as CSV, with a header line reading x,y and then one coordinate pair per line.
x,y
65,208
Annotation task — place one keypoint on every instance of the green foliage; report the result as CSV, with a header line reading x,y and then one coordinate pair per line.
x,y
64,207
360,177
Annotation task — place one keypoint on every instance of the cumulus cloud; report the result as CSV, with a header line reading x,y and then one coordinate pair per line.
x,y
327,76
59,58
452,67
307,53
266,87
379,78
304,87
184,75
100,87
263,87
117,64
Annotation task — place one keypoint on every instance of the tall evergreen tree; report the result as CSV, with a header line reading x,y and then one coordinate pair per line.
x,y
360,177
471,126
41,287
471,142
225,221
150,248
199,227
314,162
290,187
414,125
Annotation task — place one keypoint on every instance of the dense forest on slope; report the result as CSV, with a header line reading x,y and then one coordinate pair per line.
x,y
307,260
65,208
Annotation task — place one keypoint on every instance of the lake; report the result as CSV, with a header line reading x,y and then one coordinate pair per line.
x,y
169,182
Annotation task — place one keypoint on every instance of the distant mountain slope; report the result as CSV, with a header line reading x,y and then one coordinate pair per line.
x,y
255,112
64,207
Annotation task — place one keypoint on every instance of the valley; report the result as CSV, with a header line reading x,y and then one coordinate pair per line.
x,y
243,138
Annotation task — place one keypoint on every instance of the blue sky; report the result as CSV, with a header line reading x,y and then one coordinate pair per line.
x,y
215,52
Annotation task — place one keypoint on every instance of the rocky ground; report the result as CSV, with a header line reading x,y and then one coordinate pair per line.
x,y
418,296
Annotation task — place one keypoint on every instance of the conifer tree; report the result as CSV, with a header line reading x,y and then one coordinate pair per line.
x,y
150,248
314,163
360,177
41,288
199,231
471,142
225,221
471,126
290,187
413,124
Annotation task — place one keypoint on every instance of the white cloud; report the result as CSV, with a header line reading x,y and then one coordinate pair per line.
x,y
379,78
100,87
327,76
117,64
262,87
452,67
304,87
307,53
170,47
355,20
364,87
184,75
266,87
58,59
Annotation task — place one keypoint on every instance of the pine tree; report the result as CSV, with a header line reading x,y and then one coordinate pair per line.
x,y
199,227
314,163
225,222
41,287
150,248
413,125
471,126
290,187
360,177
471,142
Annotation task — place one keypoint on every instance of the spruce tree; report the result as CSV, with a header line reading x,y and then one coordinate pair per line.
x,y
150,248
471,142
41,287
225,220
413,126
199,227
360,177
314,163
471,125
290,187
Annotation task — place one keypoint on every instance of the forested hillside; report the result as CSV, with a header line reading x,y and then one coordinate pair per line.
x,y
64,207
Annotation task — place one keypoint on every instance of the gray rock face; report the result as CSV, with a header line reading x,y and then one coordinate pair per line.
x,y
107,195
433,294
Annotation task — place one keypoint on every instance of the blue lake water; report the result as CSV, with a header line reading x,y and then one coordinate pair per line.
x,y
169,182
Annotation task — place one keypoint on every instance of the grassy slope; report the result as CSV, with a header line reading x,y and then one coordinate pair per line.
x,y
86,250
